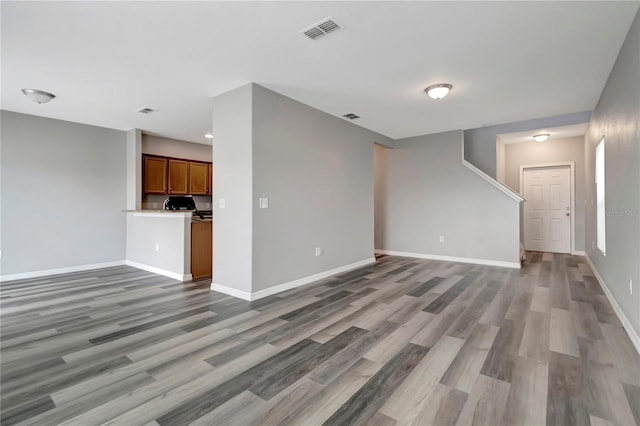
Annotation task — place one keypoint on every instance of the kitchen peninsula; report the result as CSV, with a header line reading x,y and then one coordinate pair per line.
x,y
174,243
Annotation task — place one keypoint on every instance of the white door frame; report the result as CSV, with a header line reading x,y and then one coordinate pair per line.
x,y
572,172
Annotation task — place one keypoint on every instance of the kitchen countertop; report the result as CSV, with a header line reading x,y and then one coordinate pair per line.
x,y
169,213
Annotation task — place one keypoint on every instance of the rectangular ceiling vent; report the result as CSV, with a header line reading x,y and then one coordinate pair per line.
x,y
319,29
351,116
145,110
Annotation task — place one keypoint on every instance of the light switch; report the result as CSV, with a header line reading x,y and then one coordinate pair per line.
x,y
263,203
221,203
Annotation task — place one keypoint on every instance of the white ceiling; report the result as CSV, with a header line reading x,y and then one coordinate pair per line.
x,y
554,133
507,61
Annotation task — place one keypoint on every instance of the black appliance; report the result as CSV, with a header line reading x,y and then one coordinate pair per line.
x,y
180,202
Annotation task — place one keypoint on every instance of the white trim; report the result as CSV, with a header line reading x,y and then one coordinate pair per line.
x,y
57,271
245,295
291,284
572,189
578,253
159,271
488,262
633,335
159,213
503,188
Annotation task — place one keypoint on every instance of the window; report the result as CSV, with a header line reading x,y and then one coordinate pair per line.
x,y
600,187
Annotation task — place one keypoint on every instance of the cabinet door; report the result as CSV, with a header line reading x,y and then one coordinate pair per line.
x,y
210,177
178,177
198,179
155,175
201,249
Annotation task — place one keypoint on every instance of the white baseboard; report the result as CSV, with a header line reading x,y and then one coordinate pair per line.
x,y
291,284
159,271
58,271
579,253
515,265
245,295
633,335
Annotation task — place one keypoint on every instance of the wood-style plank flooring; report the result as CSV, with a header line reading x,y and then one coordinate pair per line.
x,y
404,341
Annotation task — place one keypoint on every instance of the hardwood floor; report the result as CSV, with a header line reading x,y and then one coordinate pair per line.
x,y
404,341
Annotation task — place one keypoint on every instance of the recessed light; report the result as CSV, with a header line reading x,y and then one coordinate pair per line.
x,y
208,136
541,137
438,91
351,116
38,96
145,110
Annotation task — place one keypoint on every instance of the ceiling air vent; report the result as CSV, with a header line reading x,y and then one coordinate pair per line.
x,y
145,110
319,29
351,116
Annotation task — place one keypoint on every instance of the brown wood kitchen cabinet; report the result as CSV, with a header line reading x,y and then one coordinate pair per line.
x,y
198,179
201,249
175,176
210,178
178,177
155,175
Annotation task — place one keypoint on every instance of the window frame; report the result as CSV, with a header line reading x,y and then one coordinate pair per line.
x,y
600,187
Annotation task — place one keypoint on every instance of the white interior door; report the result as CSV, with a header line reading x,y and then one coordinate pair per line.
x,y
547,209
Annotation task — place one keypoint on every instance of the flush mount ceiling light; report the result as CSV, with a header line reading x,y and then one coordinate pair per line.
x,y
541,137
438,91
208,136
38,96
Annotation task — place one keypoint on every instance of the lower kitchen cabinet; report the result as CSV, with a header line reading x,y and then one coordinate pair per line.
x,y
201,249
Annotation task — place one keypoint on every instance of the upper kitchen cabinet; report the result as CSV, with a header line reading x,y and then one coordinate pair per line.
x,y
210,177
198,178
155,175
178,177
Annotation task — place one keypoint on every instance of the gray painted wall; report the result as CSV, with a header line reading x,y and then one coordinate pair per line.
x,y
427,193
380,153
63,192
617,118
170,231
166,147
501,152
317,172
134,169
232,225
552,151
480,144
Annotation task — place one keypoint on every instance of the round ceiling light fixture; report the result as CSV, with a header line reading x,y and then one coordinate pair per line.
x,y
541,137
438,91
208,136
38,96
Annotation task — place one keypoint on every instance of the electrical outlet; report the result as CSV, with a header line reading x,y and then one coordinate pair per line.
x,y
630,287
221,203
207,205
157,247
442,238
319,251
263,203
155,205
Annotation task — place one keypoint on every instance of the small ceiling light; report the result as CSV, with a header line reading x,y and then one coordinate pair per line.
x,y
208,136
541,138
38,96
438,91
